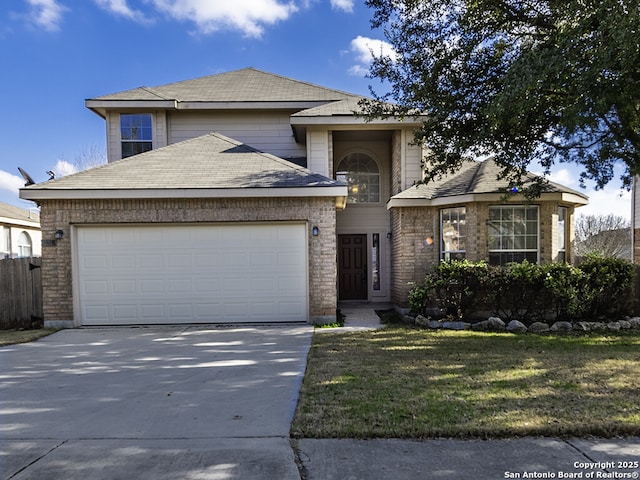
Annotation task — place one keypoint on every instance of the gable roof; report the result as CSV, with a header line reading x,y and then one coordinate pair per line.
x,y
475,181
212,166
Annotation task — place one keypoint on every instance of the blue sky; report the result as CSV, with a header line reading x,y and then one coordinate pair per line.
x,y
57,53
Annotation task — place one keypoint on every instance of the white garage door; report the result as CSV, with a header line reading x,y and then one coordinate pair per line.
x,y
191,274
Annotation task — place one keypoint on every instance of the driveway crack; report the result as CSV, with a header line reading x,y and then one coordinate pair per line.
x,y
55,447
584,454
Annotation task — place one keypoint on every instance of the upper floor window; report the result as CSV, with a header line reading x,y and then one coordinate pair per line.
x,y
135,133
361,173
453,232
24,245
513,234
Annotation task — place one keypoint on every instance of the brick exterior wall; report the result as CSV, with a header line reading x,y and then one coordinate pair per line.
x,y
636,246
63,214
413,255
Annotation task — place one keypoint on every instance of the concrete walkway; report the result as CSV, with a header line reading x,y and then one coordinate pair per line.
x,y
469,459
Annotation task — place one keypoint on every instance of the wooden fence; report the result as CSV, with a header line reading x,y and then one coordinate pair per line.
x,y
20,293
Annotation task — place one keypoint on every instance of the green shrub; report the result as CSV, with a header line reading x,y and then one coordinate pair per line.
x,y
609,287
600,288
520,292
457,287
564,284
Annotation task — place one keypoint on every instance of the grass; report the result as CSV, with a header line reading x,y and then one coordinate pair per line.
x,y
11,337
401,382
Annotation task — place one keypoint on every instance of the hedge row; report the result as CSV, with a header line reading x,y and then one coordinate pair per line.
x,y
598,289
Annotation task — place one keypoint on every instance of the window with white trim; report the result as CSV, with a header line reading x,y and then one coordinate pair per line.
x,y
513,234
562,234
5,242
24,245
135,133
362,175
453,233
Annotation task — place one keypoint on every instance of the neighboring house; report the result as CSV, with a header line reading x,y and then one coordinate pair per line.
x,y
19,232
251,197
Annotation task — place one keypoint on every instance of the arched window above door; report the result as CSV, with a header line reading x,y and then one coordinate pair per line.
x,y
362,174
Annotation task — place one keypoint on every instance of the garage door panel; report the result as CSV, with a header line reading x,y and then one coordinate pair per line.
x,y
190,274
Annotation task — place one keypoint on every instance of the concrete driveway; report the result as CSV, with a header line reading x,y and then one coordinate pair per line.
x,y
152,403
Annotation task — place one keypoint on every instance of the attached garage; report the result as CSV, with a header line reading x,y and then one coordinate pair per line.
x,y
208,230
171,274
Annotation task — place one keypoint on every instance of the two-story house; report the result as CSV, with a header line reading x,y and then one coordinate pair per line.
x,y
251,197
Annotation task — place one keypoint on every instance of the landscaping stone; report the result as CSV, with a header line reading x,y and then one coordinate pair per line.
x,y
456,325
539,327
597,326
492,324
635,323
427,322
582,326
615,326
516,326
561,327
624,325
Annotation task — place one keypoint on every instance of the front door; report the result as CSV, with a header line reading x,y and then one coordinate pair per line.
x,y
352,267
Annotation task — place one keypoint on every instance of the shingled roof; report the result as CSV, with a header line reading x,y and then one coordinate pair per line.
x,y
245,85
12,214
473,181
212,165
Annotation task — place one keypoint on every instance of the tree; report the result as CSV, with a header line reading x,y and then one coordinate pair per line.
x,y
87,158
524,81
605,235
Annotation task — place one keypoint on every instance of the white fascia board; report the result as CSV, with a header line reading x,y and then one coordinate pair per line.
x,y
76,194
266,105
101,107
130,104
429,202
571,198
577,200
349,120
14,222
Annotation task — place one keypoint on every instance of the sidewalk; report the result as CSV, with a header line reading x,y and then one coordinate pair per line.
x,y
395,459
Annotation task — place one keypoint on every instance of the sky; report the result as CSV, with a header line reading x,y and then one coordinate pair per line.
x,y
55,54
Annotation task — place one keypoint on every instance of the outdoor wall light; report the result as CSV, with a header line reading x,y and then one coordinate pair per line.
x,y
315,231
59,234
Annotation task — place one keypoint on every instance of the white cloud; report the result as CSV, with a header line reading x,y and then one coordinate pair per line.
x,y
120,7
62,168
344,5
10,183
366,49
358,71
610,200
47,14
248,16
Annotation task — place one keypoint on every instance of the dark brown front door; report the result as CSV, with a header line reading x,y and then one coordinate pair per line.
x,y
352,267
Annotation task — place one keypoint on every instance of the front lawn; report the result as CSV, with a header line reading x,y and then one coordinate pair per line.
x,y
11,337
408,383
